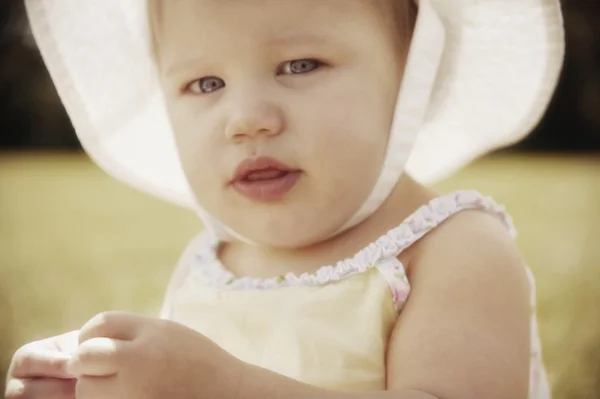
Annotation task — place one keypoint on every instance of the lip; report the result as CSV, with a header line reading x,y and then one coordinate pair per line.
x,y
251,165
266,189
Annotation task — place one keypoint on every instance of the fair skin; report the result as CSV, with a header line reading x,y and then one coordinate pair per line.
x,y
436,351
299,88
459,336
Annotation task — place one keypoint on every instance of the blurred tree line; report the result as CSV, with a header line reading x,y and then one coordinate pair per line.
x,y
31,115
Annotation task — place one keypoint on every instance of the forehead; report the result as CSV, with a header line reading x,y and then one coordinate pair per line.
x,y
278,21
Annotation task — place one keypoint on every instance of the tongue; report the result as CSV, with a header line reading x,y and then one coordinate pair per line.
x,y
266,174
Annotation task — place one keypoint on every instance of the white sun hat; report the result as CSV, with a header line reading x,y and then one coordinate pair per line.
x,y
480,75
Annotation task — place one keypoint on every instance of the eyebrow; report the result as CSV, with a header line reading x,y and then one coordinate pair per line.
x,y
280,40
290,38
187,63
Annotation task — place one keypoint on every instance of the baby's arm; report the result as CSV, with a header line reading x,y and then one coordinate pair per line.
x,y
465,330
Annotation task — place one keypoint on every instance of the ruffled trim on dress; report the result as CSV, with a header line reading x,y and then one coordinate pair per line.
x,y
388,246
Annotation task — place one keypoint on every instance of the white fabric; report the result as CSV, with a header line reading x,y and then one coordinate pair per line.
x,y
480,75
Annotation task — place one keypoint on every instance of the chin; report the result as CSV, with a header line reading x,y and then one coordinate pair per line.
x,y
292,236
287,242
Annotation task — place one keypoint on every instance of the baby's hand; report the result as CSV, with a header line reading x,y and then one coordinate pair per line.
x,y
123,355
39,369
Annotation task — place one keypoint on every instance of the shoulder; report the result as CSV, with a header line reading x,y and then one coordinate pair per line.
x,y
471,241
469,304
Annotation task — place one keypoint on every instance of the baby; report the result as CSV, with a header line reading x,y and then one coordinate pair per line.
x,y
305,134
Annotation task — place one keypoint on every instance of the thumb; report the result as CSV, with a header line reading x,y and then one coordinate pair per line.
x,y
40,363
117,325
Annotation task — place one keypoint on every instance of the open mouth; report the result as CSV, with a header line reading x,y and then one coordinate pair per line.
x,y
264,179
265,174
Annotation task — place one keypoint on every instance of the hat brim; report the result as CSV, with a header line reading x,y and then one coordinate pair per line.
x,y
499,69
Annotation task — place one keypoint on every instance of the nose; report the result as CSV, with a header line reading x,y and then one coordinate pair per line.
x,y
252,115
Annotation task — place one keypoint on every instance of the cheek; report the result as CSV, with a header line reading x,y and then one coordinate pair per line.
x,y
347,128
196,144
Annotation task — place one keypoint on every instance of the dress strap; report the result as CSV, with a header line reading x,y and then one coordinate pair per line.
x,y
417,225
434,213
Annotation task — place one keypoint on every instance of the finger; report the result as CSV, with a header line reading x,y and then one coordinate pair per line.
x,y
118,325
47,388
97,388
98,357
67,342
31,363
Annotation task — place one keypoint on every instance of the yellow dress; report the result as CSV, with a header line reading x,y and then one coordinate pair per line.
x,y
330,328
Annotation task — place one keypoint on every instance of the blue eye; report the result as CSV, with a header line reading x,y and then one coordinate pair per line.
x,y
206,85
300,66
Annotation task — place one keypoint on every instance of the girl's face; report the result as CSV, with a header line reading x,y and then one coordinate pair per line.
x,y
311,85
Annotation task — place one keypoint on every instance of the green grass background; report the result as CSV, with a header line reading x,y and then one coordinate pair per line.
x,y
74,242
